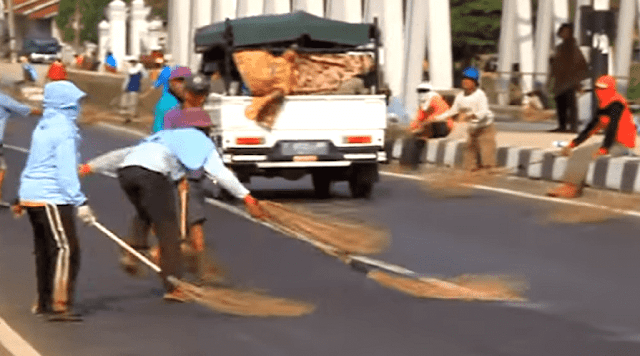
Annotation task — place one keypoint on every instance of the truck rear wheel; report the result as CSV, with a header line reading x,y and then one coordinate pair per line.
x,y
362,180
321,184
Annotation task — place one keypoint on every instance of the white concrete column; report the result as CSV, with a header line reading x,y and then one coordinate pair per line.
x,y
416,42
525,43
560,15
624,42
439,44
506,49
604,5
202,15
182,25
117,19
544,27
103,40
344,10
277,6
248,8
224,9
577,29
394,45
314,7
155,28
137,27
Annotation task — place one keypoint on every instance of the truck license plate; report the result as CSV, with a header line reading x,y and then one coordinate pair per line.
x,y
304,148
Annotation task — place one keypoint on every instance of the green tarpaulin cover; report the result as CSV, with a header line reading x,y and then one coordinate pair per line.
x,y
278,29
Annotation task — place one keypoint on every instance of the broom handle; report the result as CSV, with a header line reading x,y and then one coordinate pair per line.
x,y
126,246
184,191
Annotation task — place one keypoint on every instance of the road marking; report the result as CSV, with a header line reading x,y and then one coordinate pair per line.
x,y
122,129
13,342
628,212
16,148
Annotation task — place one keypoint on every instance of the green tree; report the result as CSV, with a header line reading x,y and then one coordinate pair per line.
x,y
92,12
475,27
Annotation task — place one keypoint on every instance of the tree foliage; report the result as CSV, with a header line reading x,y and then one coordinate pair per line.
x,y
475,27
94,11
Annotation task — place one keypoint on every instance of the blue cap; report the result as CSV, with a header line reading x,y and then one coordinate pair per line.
x,y
471,73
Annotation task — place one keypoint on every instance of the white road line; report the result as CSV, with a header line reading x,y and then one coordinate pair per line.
x,y
16,148
13,342
122,129
633,213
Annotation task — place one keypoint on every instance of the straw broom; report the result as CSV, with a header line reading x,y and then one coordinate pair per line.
x,y
349,237
223,300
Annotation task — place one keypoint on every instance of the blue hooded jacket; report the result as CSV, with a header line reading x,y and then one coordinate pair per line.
x,y
7,107
51,172
167,101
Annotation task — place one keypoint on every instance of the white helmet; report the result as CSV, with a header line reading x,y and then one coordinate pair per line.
x,y
424,86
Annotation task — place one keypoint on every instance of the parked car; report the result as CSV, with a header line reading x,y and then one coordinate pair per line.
x,y
41,49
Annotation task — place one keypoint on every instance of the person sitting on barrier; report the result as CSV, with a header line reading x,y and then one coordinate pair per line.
x,y
472,105
615,118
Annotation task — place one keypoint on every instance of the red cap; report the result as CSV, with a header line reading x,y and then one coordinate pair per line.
x,y
57,72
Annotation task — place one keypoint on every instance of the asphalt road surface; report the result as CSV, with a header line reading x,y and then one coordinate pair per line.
x,y
582,298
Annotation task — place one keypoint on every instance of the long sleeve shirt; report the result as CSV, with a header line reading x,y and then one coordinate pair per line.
x,y
173,153
475,104
51,172
10,106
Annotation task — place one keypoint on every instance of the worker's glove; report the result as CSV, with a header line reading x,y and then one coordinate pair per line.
x,y
84,170
602,151
36,112
16,209
254,208
86,214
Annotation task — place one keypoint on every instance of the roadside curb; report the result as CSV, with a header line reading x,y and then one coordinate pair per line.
x,y
619,173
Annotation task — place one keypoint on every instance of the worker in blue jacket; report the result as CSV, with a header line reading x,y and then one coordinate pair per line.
x,y
147,173
50,192
8,106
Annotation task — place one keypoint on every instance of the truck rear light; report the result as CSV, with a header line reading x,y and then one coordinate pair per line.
x,y
357,139
249,140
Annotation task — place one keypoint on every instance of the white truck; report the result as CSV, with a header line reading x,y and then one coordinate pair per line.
x,y
330,137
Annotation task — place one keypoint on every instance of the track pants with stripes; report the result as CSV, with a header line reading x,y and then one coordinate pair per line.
x,y
57,255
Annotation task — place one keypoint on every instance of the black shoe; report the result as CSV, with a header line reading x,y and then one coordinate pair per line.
x,y
4,204
558,129
65,316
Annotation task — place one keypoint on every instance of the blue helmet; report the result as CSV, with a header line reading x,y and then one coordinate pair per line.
x,y
471,73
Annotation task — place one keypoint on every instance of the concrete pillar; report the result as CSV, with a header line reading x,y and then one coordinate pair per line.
x,y
560,15
544,27
117,19
202,15
182,27
155,28
224,9
394,46
416,42
344,10
506,49
314,7
248,8
138,26
604,5
439,44
524,30
277,6
103,40
577,19
624,42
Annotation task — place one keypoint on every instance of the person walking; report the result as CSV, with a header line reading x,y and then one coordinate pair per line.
x,y
568,68
50,191
472,106
615,118
9,106
131,89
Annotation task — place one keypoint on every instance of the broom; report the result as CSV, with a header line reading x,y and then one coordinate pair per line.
x,y
348,237
223,300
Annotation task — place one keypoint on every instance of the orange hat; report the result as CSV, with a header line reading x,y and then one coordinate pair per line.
x,y
606,82
57,71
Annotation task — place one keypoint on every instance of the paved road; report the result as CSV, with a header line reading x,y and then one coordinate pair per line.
x,y
583,283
